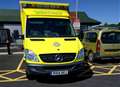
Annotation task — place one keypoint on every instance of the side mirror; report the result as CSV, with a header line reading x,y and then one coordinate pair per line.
x,y
81,35
21,37
80,38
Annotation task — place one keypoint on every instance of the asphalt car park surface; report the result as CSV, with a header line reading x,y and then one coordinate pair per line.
x,y
12,74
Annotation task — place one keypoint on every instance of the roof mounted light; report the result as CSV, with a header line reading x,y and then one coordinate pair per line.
x,y
44,5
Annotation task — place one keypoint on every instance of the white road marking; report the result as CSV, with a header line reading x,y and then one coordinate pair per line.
x,y
5,48
6,53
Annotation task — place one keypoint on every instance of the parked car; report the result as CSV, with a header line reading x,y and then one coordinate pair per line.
x,y
102,43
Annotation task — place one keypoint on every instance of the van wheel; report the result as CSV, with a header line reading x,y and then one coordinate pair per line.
x,y
29,76
91,57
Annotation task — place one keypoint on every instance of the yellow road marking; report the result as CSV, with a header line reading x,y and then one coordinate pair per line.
x,y
5,70
12,71
21,71
110,72
13,80
98,66
106,74
103,66
90,63
5,80
109,69
92,67
117,70
20,64
5,77
106,68
20,77
98,72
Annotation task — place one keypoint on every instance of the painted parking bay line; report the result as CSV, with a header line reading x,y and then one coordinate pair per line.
x,y
20,64
6,78
1,81
22,77
110,72
6,53
12,71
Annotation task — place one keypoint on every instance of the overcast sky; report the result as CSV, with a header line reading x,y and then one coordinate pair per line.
x,y
101,10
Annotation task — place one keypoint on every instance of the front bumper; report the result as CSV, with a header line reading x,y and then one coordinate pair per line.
x,y
45,70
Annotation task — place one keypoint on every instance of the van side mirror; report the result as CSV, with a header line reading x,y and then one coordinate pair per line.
x,y
80,36
21,37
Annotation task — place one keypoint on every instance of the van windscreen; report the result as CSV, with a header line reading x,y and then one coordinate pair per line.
x,y
110,37
49,27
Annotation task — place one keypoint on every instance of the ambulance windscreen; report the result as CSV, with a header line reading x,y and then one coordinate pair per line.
x,y
47,27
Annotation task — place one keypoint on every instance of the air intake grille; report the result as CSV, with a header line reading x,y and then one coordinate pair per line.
x,y
62,57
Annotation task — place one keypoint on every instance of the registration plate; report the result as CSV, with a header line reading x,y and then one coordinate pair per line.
x,y
55,73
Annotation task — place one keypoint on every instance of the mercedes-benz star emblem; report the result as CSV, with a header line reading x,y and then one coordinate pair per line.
x,y
58,58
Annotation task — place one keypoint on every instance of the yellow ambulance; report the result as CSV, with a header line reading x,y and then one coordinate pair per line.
x,y
51,47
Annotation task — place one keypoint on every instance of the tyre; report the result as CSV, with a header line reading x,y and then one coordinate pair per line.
x,y
85,75
29,76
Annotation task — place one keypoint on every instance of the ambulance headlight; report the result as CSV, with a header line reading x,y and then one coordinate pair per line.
x,y
29,55
81,54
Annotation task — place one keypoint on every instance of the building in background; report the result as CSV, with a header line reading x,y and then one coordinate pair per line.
x,y
85,20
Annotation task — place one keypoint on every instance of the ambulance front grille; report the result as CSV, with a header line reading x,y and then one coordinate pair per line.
x,y
57,57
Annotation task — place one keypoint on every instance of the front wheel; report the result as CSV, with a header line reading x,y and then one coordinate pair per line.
x,y
29,76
